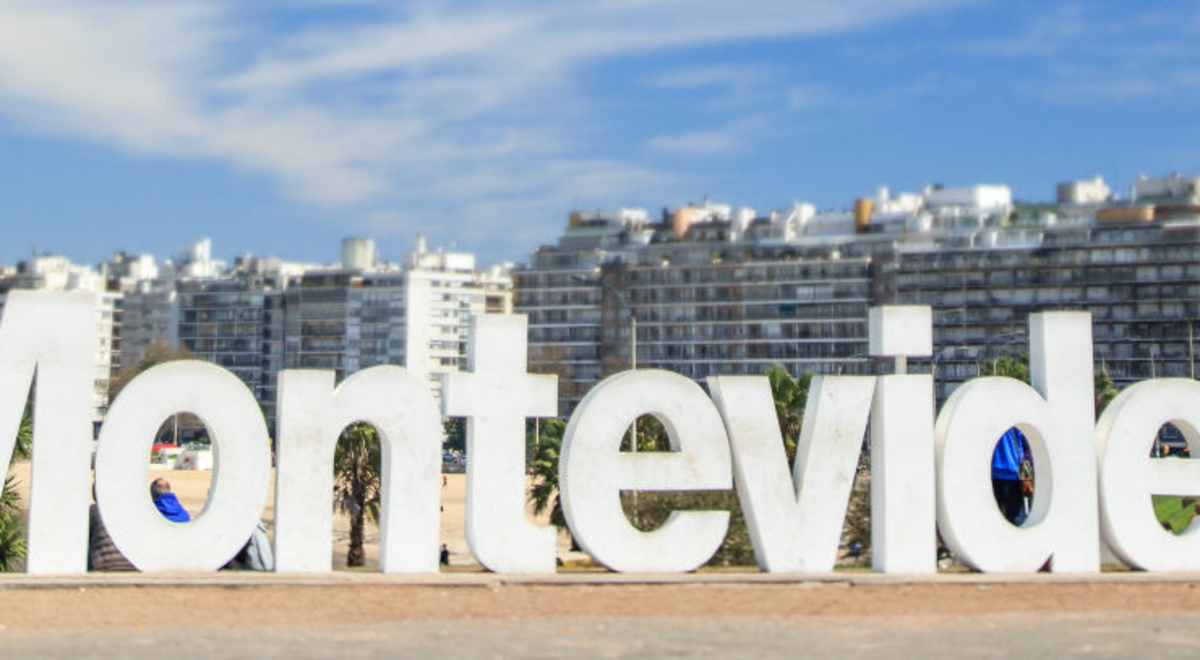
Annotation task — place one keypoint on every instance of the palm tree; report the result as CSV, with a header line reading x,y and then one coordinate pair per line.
x,y
24,445
544,464
790,395
12,528
356,482
1105,390
12,536
1007,366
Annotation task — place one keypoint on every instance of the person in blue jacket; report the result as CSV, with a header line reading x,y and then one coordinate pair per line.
x,y
166,502
1006,475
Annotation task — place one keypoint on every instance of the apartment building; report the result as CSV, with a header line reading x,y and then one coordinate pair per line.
x,y
419,317
264,316
57,273
1135,268
717,290
711,290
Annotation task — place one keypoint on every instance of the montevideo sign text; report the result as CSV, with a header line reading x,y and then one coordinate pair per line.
x,y
1093,479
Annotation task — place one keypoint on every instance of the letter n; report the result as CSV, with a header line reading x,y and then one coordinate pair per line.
x,y
54,336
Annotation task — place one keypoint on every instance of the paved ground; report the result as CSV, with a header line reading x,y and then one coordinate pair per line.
x,y
488,617
652,638
468,613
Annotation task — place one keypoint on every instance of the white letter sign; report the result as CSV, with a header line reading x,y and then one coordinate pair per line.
x,y
1125,435
312,417
593,472
56,334
795,516
496,398
1063,523
241,469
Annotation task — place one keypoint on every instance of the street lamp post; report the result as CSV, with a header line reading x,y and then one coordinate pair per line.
x,y
1191,353
1004,339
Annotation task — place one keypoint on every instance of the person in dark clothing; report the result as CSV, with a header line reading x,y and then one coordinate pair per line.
x,y
103,554
166,502
444,556
1011,452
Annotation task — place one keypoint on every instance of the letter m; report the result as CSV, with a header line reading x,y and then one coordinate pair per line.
x,y
52,335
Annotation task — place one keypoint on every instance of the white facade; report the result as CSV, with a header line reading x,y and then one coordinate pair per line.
x,y
981,197
420,317
55,273
1086,192
149,313
358,253
195,261
1173,189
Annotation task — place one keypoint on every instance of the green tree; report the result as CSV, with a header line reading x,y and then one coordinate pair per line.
x,y
455,429
544,465
1007,367
1105,390
12,528
790,396
356,483
12,520
24,445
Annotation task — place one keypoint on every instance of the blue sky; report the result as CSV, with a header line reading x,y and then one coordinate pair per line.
x,y
278,127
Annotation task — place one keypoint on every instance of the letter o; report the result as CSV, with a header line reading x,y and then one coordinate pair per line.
x,y
241,467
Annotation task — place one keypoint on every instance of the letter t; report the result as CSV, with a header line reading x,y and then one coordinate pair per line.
x,y
496,397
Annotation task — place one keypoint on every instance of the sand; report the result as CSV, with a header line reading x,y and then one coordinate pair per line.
x,y
191,487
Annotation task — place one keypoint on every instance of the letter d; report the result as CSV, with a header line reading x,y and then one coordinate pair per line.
x,y
1063,524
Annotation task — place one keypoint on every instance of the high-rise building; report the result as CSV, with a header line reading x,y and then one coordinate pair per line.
x,y
711,291
56,273
716,290
264,316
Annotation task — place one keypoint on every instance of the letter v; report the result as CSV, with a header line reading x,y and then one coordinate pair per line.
x,y
795,522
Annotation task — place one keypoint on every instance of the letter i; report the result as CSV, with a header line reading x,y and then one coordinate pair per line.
x,y
903,486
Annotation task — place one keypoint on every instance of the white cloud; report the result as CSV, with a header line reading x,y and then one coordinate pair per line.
x,y
697,143
1048,33
1081,53
389,106
808,96
703,77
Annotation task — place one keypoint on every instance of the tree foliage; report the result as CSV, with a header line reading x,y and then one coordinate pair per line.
x,y
12,528
24,444
356,483
1007,367
791,396
455,430
1105,390
544,469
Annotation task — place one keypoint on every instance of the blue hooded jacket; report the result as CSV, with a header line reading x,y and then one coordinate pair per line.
x,y
1006,460
171,509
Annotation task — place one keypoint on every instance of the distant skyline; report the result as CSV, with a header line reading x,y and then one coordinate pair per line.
x,y
279,127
